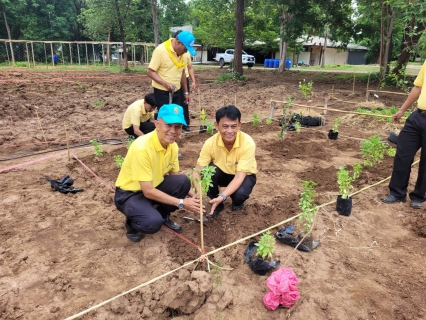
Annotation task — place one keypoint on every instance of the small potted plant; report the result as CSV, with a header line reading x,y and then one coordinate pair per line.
x,y
309,210
203,121
258,255
333,133
344,180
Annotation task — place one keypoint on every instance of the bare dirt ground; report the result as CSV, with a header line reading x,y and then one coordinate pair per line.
x,y
61,254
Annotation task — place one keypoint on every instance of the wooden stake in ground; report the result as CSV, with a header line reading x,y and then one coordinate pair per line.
x,y
41,128
271,110
353,86
367,93
201,221
235,101
68,144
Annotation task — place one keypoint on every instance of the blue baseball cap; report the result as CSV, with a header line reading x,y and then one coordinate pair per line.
x,y
171,113
187,38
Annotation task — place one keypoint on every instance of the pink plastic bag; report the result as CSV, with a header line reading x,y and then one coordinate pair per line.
x,y
283,286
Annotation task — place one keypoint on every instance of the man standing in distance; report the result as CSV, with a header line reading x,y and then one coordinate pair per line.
x,y
189,72
167,68
232,152
411,138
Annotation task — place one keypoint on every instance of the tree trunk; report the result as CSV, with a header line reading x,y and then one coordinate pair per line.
x,y
123,37
408,43
239,36
382,36
387,52
324,47
8,34
108,53
154,20
283,44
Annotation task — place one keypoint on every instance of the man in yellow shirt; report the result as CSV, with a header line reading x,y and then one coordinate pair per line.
x,y
167,68
232,152
190,74
149,186
139,117
411,138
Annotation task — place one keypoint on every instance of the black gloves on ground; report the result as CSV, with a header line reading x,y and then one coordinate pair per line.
x,y
63,185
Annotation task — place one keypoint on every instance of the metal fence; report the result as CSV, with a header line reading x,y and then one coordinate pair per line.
x,y
34,54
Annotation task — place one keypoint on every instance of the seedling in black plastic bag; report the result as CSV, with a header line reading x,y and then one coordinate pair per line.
x,y
265,246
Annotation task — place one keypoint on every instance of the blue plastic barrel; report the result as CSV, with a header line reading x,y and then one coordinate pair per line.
x,y
271,63
276,63
266,64
288,63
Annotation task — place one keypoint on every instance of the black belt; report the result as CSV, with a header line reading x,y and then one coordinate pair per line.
x,y
422,112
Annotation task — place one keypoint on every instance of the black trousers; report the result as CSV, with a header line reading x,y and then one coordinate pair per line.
x,y
162,97
222,179
145,127
184,105
411,138
146,215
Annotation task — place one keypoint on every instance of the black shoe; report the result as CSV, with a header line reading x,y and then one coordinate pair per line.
x,y
416,204
392,199
216,211
132,234
237,208
180,156
171,224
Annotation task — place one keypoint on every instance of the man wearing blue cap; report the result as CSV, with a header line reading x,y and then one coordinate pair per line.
x,y
167,68
149,186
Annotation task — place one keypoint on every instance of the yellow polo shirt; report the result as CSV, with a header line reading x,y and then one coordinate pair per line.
x,y
419,83
187,58
241,157
165,67
147,160
136,114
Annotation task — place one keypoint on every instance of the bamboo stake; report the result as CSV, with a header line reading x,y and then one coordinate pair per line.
x,y
235,101
201,221
342,111
367,94
68,144
399,93
353,86
41,128
332,89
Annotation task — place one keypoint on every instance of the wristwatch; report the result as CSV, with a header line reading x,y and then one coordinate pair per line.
x,y
180,205
223,196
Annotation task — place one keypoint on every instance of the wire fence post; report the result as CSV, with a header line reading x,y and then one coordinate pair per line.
x,y
103,56
87,59
93,51
78,54
28,55
32,49
45,55
70,52
7,53
51,51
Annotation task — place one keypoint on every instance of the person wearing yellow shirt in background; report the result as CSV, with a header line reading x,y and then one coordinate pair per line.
x,y
232,152
190,74
411,138
139,117
149,186
167,69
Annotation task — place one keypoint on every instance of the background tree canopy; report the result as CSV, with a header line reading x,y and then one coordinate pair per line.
x,y
391,28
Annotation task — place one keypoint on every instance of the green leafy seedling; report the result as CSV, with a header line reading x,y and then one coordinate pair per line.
x,y
306,204
268,121
206,178
99,103
336,123
119,160
306,88
203,117
256,119
357,170
391,152
372,150
210,128
265,246
97,146
344,180
297,126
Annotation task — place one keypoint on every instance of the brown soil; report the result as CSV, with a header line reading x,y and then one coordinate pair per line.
x,y
61,254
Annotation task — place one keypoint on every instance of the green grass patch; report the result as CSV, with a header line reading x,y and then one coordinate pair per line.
x,y
383,111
